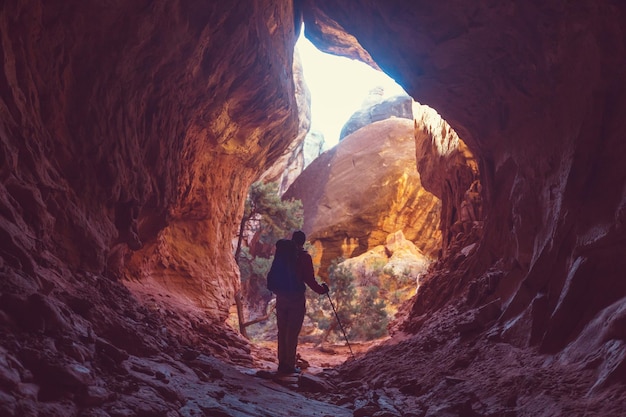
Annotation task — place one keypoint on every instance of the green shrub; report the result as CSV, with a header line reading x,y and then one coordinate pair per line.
x,y
371,316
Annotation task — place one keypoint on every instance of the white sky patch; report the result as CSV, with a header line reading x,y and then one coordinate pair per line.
x,y
338,87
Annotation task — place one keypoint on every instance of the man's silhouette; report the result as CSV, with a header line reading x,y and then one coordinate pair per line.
x,y
291,306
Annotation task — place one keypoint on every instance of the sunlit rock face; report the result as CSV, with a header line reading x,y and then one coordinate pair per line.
x,y
128,141
395,267
449,170
536,92
293,160
364,189
314,144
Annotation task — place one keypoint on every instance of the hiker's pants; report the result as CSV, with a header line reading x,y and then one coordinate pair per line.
x,y
290,310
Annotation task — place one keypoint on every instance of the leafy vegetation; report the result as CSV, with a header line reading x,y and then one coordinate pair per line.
x,y
267,215
361,311
270,218
371,315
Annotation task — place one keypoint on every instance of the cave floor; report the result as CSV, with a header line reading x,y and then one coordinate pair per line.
x,y
437,372
100,353
237,392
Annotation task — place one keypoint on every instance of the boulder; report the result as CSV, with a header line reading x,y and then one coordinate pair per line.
x,y
376,110
365,188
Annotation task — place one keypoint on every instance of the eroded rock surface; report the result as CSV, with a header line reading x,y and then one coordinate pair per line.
x,y
301,149
533,129
128,128
364,189
374,110
130,132
450,171
538,106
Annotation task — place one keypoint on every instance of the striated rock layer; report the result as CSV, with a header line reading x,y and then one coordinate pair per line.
x,y
450,171
364,189
129,134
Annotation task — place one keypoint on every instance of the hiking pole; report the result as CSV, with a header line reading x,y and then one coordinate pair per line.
x,y
340,325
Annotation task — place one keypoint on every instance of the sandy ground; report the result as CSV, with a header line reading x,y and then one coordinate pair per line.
x,y
313,358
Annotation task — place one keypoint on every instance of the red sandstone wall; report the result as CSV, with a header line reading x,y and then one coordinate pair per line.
x,y
536,91
139,118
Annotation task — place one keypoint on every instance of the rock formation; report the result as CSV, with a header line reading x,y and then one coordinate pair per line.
x,y
513,117
97,143
293,160
450,171
130,132
314,143
399,260
364,189
539,105
375,111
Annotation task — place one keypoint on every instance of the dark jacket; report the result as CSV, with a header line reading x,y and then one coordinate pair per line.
x,y
304,271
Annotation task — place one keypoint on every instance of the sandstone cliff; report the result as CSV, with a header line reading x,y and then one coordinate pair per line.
x,y
450,171
364,189
293,160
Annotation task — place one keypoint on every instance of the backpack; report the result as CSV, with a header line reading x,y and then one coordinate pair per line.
x,y
282,277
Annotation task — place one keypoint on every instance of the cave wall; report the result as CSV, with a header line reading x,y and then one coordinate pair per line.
x,y
291,163
536,90
130,132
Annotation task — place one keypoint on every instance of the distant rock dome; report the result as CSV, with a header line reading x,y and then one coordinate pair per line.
x,y
375,109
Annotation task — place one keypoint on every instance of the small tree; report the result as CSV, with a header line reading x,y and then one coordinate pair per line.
x,y
253,270
343,294
268,215
371,315
361,310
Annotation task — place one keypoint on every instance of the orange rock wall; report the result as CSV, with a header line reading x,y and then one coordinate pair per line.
x,y
447,169
364,189
152,116
291,163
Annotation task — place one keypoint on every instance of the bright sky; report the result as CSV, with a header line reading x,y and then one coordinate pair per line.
x,y
338,87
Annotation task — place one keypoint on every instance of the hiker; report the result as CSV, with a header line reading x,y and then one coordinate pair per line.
x,y
291,269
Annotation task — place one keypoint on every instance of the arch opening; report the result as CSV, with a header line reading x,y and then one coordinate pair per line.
x,y
381,233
